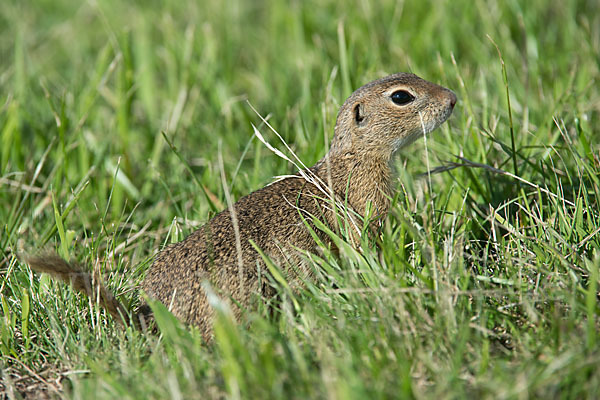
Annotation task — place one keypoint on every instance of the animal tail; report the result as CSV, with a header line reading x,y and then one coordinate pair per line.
x,y
91,285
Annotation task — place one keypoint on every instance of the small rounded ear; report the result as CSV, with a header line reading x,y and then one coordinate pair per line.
x,y
359,114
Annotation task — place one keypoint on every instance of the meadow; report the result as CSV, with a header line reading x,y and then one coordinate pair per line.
x,y
120,122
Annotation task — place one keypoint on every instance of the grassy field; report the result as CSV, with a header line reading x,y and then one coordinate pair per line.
x,y
114,117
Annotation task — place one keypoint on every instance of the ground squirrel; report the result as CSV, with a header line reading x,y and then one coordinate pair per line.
x,y
372,124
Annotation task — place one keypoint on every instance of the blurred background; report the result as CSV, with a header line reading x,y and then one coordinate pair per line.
x,y
100,81
114,119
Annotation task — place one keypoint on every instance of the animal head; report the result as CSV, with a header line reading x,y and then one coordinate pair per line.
x,y
387,114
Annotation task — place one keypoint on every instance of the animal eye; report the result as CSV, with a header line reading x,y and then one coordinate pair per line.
x,y
402,97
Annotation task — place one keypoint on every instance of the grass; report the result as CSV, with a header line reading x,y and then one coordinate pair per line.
x,y
483,284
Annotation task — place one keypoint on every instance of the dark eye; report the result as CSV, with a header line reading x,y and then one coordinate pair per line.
x,y
402,97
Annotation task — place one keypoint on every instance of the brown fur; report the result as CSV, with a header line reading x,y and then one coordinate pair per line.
x,y
84,282
356,171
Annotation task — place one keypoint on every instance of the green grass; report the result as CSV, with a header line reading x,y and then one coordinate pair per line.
x,y
484,283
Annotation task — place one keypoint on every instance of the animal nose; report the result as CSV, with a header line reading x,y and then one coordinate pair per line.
x,y
452,99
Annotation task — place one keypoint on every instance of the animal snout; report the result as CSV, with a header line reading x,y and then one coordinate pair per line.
x,y
452,99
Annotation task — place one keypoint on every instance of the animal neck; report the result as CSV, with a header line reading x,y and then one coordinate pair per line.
x,y
359,178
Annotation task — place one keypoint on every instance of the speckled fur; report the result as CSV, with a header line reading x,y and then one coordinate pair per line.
x,y
357,170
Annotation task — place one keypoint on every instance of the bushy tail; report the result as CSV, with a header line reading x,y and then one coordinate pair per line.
x,y
89,284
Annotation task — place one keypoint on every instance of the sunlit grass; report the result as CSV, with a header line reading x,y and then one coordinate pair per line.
x,y
483,284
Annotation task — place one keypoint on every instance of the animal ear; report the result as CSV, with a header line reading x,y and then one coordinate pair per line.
x,y
359,114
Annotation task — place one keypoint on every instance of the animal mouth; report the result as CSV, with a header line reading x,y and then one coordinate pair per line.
x,y
429,123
